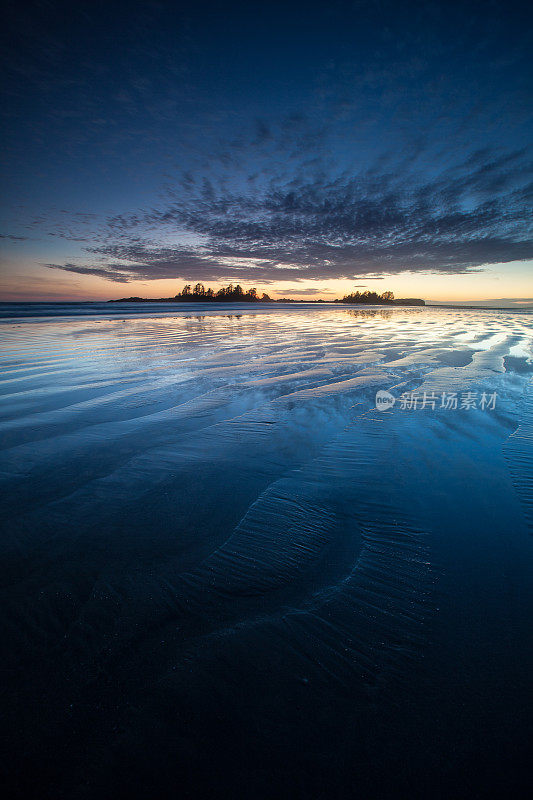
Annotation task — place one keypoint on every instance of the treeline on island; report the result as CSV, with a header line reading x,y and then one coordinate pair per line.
x,y
375,299
199,294
227,294
370,298
236,294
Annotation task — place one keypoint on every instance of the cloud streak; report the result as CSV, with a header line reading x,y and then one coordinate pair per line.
x,y
327,225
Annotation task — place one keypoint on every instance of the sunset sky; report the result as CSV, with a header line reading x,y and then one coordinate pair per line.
x,y
306,149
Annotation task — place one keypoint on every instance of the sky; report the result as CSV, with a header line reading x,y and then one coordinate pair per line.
x,y
305,149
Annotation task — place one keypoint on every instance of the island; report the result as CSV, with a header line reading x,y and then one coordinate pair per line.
x,y
236,294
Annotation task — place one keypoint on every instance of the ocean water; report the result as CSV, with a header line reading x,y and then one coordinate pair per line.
x,y
228,572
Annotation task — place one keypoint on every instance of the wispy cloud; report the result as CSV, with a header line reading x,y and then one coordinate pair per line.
x,y
110,274
320,224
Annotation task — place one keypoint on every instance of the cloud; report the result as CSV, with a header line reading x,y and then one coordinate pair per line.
x,y
303,291
111,274
319,223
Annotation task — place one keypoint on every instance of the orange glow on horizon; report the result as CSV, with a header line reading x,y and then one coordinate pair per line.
x,y
37,283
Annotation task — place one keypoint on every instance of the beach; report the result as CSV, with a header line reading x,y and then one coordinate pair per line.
x,y
226,569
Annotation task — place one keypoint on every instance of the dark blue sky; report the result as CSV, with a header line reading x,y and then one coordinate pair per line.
x,y
303,147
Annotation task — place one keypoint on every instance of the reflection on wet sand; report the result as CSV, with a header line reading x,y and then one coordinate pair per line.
x,y
209,527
